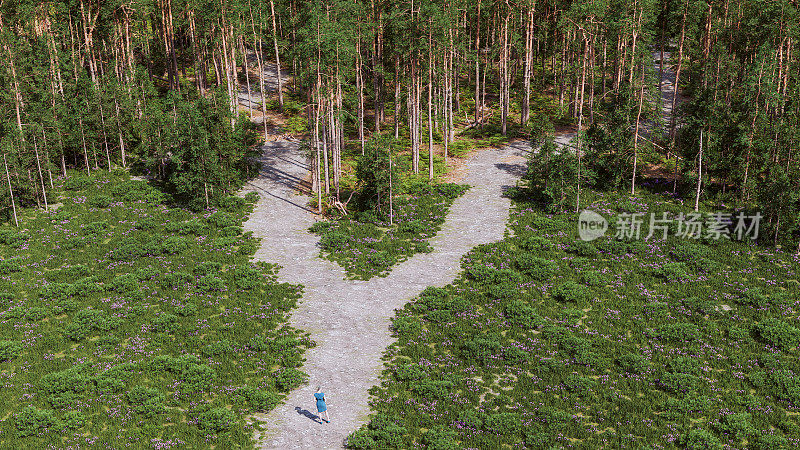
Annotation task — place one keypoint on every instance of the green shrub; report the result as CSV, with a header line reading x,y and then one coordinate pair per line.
x,y
779,333
88,321
165,323
522,315
217,420
503,424
218,348
679,382
9,266
736,425
539,269
296,125
406,325
440,438
290,378
232,203
481,349
409,372
432,388
73,420
258,400
700,439
137,191
633,363
193,226
771,442
174,245
64,387
13,238
678,332
9,350
77,183
210,283
146,402
100,201
579,385
571,292
31,421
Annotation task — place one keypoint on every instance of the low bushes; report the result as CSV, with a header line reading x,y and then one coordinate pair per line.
x,y
124,322
367,246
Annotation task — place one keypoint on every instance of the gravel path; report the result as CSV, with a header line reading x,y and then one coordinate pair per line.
x,y
349,319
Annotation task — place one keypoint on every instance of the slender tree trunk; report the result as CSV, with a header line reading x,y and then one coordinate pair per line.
x,y
318,174
678,76
526,95
699,174
397,101
430,101
478,105
277,53
360,89
11,192
504,75
41,174
636,133
245,69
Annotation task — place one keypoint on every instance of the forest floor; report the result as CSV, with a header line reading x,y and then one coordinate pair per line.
x,y
348,319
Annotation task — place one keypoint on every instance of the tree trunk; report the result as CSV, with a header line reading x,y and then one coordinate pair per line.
x,y
277,53
11,192
360,89
430,101
636,133
678,76
699,174
478,65
41,174
397,98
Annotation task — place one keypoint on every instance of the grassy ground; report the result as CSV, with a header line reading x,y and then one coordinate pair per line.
x,y
128,321
549,341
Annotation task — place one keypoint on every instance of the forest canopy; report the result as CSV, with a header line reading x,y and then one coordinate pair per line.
x,y
103,84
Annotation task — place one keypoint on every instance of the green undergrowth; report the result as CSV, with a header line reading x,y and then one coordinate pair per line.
x,y
126,321
366,246
547,341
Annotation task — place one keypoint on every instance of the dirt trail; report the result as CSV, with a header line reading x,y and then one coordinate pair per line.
x,y
350,319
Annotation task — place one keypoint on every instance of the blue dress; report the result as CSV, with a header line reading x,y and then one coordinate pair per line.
x,y
321,406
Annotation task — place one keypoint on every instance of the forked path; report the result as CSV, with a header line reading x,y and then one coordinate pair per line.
x,y
350,320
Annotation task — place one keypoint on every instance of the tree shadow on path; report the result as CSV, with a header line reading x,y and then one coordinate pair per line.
x,y
307,413
517,170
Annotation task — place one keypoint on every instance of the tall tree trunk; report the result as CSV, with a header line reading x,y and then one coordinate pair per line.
x,y
526,94
430,100
504,75
360,90
277,53
636,133
397,101
11,192
676,84
699,174
41,174
478,106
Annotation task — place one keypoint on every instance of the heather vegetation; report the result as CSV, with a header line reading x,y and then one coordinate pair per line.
x,y
366,245
126,320
549,341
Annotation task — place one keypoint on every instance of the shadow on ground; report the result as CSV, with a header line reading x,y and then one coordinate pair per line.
x,y
307,413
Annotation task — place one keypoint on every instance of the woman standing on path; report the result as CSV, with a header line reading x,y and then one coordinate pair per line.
x,y
321,406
